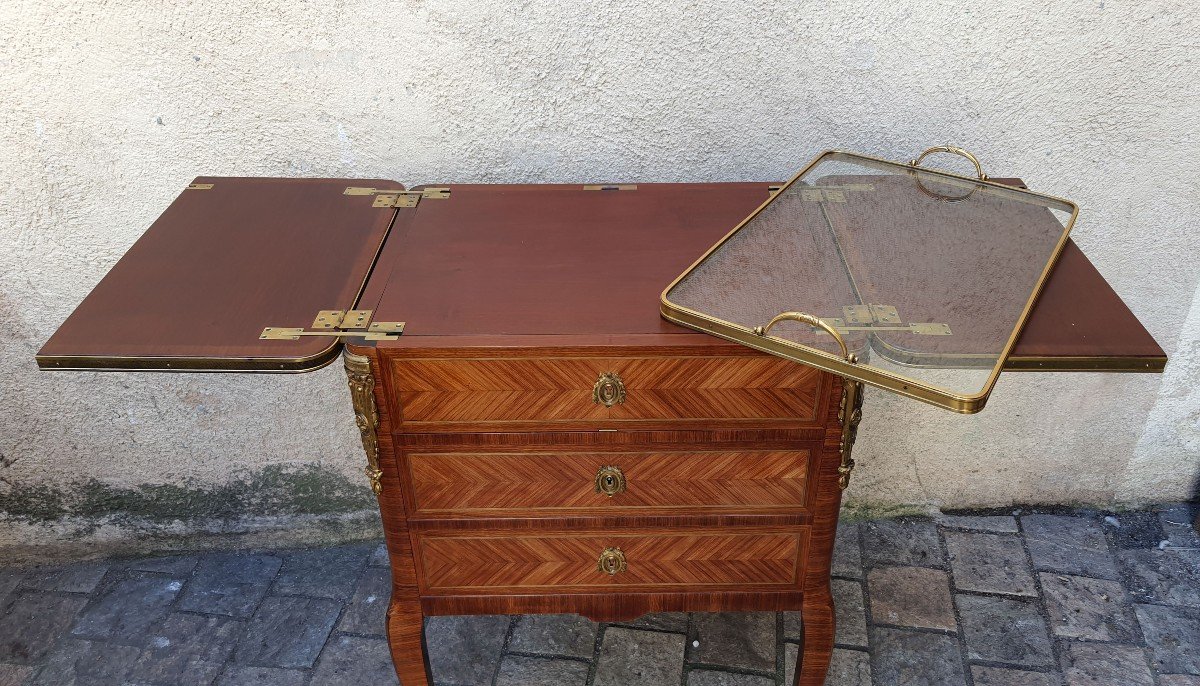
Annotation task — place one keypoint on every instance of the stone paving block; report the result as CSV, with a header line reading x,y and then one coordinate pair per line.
x,y
31,624
1171,577
355,660
849,613
379,557
79,662
287,632
847,668
322,572
1177,521
1135,530
569,635
629,657
662,621
733,639
901,656
128,609
188,648
237,675
911,596
465,650
1074,545
540,671
997,524
1102,664
791,653
81,578
367,611
902,542
178,566
229,584
9,580
1092,609
847,553
709,677
1171,680
989,563
1173,633
14,675
1004,630
997,676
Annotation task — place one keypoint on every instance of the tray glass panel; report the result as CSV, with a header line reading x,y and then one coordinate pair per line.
x,y
927,276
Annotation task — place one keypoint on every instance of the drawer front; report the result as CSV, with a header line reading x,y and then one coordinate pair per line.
x,y
498,483
523,562
472,394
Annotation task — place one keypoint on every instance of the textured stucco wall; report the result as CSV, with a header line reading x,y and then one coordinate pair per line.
x,y
109,109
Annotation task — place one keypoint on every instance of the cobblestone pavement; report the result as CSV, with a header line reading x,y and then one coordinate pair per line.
x,y
1031,600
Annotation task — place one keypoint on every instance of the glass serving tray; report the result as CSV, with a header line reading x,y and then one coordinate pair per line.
x,y
903,277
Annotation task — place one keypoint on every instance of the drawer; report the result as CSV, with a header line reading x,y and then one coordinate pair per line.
x,y
645,480
759,558
521,393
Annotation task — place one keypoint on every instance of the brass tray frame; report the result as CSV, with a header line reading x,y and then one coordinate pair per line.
x,y
758,338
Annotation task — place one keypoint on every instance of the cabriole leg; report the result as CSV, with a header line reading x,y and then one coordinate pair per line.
x,y
406,638
817,635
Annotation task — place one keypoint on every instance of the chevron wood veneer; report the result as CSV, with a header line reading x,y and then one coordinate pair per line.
x,y
465,482
452,394
558,561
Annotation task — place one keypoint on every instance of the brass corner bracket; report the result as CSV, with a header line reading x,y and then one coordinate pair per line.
x,y
366,413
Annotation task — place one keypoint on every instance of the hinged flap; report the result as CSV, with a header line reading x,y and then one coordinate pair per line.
x,y
229,258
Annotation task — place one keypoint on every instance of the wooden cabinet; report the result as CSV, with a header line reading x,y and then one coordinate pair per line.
x,y
540,439
524,483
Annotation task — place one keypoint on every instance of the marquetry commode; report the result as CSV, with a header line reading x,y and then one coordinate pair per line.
x,y
541,438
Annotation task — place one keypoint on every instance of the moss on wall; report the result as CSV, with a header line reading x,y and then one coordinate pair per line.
x,y
272,491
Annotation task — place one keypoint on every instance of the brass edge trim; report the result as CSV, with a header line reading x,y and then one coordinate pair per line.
x,y
366,413
940,397
1149,365
85,363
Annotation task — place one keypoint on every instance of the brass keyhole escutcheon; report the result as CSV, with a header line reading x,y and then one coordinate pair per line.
x,y
611,562
610,481
609,390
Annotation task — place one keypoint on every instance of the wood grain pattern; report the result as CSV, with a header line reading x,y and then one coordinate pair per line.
x,y
606,606
558,561
405,621
463,482
458,394
780,570
197,289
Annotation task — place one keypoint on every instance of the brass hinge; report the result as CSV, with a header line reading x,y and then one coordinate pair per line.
x,y
610,187
393,198
199,186
346,323
882,318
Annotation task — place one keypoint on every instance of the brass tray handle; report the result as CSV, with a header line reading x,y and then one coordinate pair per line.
x,y
811,321
611,562
610,481
953,151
